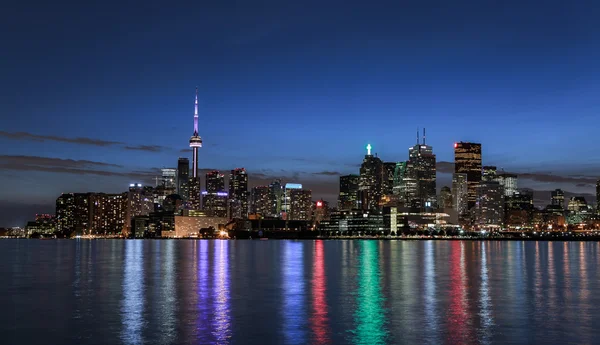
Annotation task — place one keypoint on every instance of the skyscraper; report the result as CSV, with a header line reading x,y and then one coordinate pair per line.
x,y
215,196
261,201
387,180
276,198
399,173
370,182
348,197
467,160
445,198
73,213
558,198
598,196
422,170
195,143
287,197
509,183
183,177
489,173
300,204
238,193
489,207
460,193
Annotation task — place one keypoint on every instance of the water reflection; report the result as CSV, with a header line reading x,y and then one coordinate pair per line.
x,y
459,321
203,293
293,293
430,298
485,300
221,320
168,293
319,320
133,293
370,318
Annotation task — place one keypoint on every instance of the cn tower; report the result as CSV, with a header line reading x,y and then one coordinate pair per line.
x,y
195,140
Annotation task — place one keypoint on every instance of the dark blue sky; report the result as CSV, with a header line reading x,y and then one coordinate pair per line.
x,y
292,89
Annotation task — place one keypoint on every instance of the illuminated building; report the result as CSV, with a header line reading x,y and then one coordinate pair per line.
x,y
370,181
422,170
348,197
261,201
467,160
353,222
186,226
399,174
579,210
558,198
598,196
183,177
321,211
460,194
577,204
109,214
489,208
387,181
277,198
238,193
73,213
519,209
287,196
509,183
215,197
194,190
445,198
488,173
43,224
300,203
194,186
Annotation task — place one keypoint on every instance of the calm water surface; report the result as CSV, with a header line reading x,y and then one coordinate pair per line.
x,y
298,292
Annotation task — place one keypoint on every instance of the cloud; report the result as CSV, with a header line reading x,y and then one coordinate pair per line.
x,y
185,150
328,173
148,148
69,166
445,167
80,140
545,177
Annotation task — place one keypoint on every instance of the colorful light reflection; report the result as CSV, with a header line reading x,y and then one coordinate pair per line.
x,y
293,292
319,322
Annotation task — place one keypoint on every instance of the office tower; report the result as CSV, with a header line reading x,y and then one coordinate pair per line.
x,y
287,197
168,184
73,213
348,197
577,204
183,177
276,196
489,207
467,160
399,174
238,193
445,198
488,173
558,198
370,181
321,211
215,197
460,193
509,183
261,201
387,180
422,170
300,205
194,190
519,209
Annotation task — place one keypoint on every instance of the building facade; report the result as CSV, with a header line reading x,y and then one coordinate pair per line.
x,y
238,193
370,181
467,160
300,204
214,199
183,177
348,197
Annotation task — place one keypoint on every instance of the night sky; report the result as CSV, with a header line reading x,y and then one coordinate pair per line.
x,y
98,95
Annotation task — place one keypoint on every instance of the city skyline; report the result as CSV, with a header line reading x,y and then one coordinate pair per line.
x,y
309,106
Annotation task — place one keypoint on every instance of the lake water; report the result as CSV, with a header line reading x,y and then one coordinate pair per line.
x,y
298,292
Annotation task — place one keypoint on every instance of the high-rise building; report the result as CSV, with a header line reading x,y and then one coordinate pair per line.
x,y
577,204
287,197
467,160
262,201
509,183
489,173
300,205
558,198
238,193
598,196
183,177
321,211
348,197
370,182
214,199
460,193
194,193
387,180
277,198
519,209
73,213
445,198
422,169
399,174
489,208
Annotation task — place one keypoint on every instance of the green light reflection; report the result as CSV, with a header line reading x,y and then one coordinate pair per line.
x,y
369,316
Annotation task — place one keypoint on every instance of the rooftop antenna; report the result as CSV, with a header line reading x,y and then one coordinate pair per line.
x,y
417,135
423,135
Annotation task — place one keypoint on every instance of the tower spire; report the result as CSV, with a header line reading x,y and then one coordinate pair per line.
x,y
196,113
423,135
417,135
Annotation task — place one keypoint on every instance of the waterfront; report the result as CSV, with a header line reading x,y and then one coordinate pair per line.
x,y
298,292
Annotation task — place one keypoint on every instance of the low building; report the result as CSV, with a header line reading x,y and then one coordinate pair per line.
x,y
186,226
